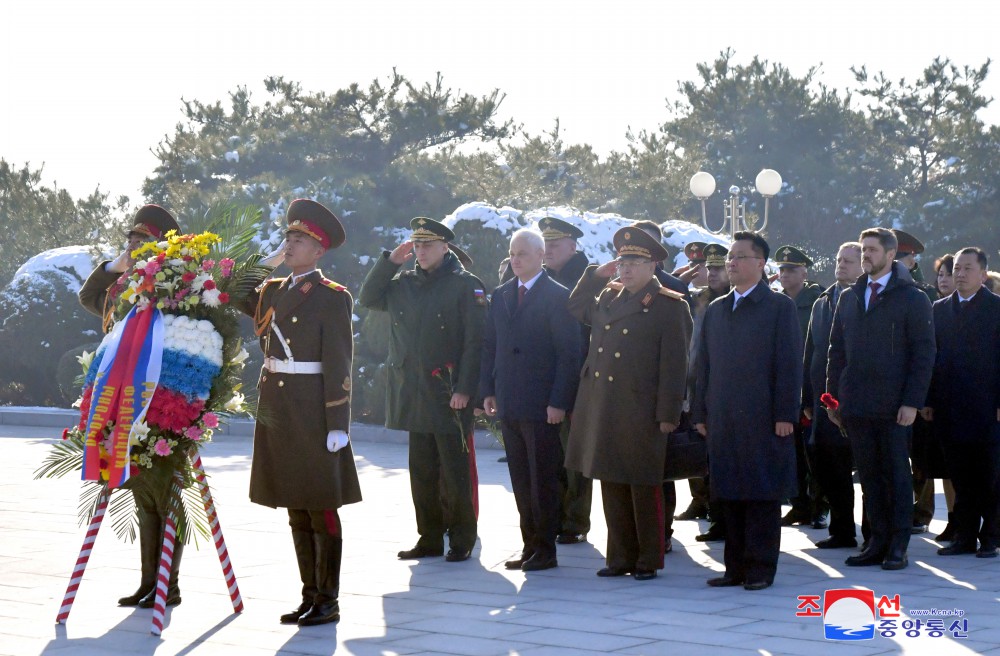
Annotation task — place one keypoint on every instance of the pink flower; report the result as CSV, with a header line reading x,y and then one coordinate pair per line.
x,y
152,268
193,433
211,420
162,448
207,265
226,266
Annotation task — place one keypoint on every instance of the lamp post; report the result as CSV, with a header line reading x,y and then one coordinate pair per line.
x,y
768,183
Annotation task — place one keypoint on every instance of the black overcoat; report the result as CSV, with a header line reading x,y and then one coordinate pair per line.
x,y
749,378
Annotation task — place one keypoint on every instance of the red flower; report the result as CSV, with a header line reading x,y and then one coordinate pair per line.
x,y
828,401
209,284
188,276
436,372
65,434
187,258
161,257
223,297
450,366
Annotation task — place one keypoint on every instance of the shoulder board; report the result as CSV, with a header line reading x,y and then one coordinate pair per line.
x,y
669,293
269,281
615,285
336,286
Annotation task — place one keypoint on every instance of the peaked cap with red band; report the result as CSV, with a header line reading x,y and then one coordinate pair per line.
x,y
311,218
153,221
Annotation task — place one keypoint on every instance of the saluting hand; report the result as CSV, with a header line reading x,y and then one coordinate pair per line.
x,y
401,254
607,270
122,263
554,415
783,428
459,401
690,273
277,256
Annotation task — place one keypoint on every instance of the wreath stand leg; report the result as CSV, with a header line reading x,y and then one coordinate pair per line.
x,y
166,562
81,561
220,541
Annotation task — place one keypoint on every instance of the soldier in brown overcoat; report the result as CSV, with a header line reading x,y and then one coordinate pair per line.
x,y
631,391
302,457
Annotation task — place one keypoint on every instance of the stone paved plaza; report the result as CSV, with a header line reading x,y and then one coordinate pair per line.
x,y
431,606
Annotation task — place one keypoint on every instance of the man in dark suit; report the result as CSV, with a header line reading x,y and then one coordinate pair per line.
x,y
965,402
749,385
828,447
881,359
529,375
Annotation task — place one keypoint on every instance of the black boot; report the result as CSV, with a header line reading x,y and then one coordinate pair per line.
x,y
305,556
329,550
173,590
948,534
149,554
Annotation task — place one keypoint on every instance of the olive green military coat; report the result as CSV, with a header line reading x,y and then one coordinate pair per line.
x,y
437,319
291,466
634,377
97,296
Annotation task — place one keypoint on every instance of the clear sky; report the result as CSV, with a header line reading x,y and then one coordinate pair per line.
x,y
90,88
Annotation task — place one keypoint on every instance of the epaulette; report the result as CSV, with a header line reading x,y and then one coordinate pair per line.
x,y
669,293
267,282
335,286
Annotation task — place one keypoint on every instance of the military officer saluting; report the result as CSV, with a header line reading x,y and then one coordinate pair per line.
x,y
438,311
631,392
99,295
302,457
100,292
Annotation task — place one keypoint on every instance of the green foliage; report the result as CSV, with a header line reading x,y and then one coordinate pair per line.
x,y
36,218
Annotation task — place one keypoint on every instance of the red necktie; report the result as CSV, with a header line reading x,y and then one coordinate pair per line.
x,y
874,286
521,291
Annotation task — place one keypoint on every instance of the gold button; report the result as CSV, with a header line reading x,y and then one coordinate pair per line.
x,y
600,349
597,374
288,340
263,379
611,379
281,383
618,355
295,319
607,326
624,331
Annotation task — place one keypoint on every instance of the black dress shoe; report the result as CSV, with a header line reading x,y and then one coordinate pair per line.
x,y
988,552
724,582
668,546
419,552
835,542
173,598
293,617
793,517
135,598
957,549
865,559
612,571
458,555
644,574
711,535
756,585
538,562
517,562
895,562
693,512
321,614
571,538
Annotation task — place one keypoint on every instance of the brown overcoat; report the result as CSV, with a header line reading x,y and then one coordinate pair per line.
x,y
100,293
291,466
633,379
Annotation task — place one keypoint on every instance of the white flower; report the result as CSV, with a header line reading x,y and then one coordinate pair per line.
x,y
86,359
210,297
140,431
240,357
205,325
235,403
199,282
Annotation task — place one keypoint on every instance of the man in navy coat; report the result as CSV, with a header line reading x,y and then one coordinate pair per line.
x,y
529,375
879,369
965,401
746,401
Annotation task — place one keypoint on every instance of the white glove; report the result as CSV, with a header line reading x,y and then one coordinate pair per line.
x,y
336,440
276,257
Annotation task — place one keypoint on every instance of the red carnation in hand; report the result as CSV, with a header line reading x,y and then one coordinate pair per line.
x,y
828,401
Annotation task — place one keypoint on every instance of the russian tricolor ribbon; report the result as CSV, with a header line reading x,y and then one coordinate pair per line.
x,y
126,378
